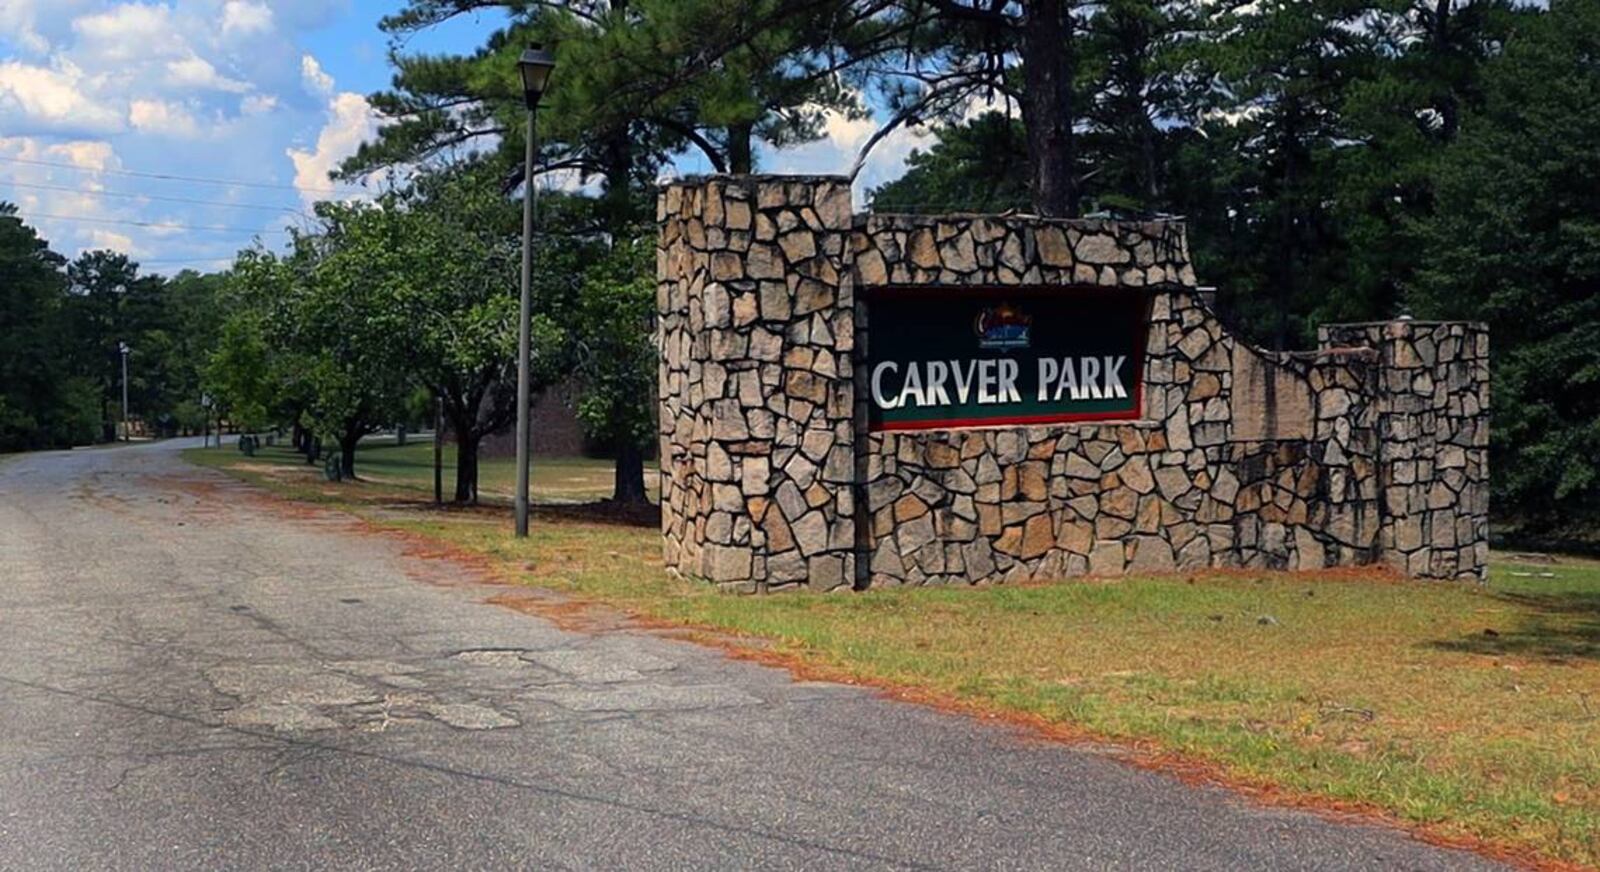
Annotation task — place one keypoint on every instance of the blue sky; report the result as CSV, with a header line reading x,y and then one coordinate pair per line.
x,y
250,101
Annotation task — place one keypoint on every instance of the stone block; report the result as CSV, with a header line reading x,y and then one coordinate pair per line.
x,y
1269,402
1151,554
1106,558
825,572
811,532
723,563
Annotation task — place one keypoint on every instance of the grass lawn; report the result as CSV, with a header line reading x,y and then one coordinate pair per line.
x,y
408,472
1473,712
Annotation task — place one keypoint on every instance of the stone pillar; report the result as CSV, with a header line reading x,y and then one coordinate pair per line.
x,y
756,330
1433,442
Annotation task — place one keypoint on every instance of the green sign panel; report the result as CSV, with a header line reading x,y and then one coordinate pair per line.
x,y
949,358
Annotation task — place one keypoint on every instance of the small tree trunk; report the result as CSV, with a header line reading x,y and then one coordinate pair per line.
x,y
466,465
628,486
1047,111
347,454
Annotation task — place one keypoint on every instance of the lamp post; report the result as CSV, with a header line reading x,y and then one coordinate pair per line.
x,y
535,67
122,347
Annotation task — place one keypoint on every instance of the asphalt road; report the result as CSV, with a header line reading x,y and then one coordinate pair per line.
x,y
192,679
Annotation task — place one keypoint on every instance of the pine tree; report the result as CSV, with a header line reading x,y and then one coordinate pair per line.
x,y
1514,240
41,403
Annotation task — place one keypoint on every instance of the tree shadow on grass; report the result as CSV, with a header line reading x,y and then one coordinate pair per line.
x,y
1558,625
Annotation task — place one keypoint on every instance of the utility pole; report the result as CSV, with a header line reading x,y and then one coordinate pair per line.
x,y
123,348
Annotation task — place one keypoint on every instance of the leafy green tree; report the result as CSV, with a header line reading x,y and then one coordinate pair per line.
x,y
1515,240
334,325
617,359
456,284
239,372
195,313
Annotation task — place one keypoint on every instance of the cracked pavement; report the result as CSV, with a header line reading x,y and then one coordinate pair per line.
x,y
192,679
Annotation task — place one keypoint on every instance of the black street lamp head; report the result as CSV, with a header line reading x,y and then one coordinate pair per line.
x,y
535,65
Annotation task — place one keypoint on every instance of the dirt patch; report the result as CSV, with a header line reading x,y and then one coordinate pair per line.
x,y
567,612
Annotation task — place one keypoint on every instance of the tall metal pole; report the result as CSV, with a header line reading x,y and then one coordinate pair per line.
x,y
126,436
523,327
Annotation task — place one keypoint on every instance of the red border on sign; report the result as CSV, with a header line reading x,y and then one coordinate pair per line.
x,y
1141,330
1063,418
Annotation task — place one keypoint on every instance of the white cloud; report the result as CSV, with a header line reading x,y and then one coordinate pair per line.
x,y
112,240
131,32
197,73
214,88
350,122
846,133
37,98
842,139
316,81
241,18
258,104
81,153
19,20
162,119
82,197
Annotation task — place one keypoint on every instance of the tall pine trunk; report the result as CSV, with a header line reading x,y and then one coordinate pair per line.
x,y
1047,107
741,159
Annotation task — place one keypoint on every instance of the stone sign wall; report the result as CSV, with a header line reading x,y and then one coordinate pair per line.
x,y
1371,449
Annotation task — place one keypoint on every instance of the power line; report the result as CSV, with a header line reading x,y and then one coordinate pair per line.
x,y
132,196
174,178
157,224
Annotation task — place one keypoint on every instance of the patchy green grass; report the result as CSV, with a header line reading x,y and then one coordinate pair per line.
x,y
1474,711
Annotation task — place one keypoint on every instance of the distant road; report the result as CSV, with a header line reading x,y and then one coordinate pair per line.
x,y
191,679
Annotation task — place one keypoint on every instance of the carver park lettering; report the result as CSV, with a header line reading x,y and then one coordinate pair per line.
x,y
983,358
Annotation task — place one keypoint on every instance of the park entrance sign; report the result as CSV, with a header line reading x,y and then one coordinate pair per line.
x,y
857,400
985,357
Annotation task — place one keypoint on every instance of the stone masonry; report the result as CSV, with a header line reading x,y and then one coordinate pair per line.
x,y
1371,449
757,324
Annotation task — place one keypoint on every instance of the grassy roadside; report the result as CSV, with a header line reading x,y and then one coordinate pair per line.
x,y
1474,712
407,472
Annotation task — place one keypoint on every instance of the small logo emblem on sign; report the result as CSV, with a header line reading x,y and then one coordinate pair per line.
x,y
1003,326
